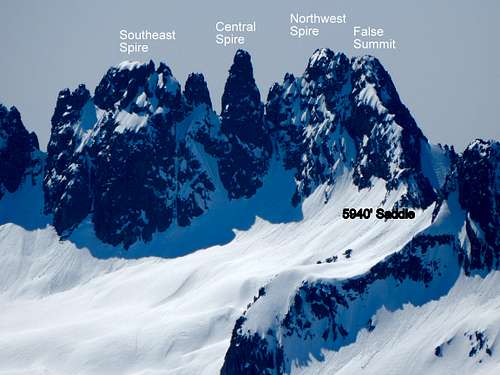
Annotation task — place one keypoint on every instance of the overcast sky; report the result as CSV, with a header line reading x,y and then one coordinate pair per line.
x,y
444,67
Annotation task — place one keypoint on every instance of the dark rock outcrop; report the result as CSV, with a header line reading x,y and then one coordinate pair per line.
x,y
327,314
129,157
17,146
67,176
346,114
478,180
134,157
244,164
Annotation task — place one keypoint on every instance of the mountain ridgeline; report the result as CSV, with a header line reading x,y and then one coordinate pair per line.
x,y
136,157
142,155
276,334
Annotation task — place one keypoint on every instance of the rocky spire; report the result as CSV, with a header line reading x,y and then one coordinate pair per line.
x,y
16,147
242,122
478,180
196,90
66,182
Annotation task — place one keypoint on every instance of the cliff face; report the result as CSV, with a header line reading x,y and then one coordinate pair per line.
x,y
345,114
135,156
245,163
477,174
131,156
141,156
17,150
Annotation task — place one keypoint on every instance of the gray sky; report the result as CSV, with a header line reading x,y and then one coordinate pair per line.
x,y
445,67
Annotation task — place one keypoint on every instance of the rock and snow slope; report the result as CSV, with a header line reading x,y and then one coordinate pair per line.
x,y
64,311
159,238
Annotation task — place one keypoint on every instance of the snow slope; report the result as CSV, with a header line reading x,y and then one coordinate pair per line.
x,y
250,267
65,311
405,341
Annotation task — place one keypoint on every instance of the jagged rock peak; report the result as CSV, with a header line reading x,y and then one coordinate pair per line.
x,y
483,148
16,148
196,90
479,179
74,114
240,81
11,124
129,157
163,69
242,122
121,85
479,194
242,66
365,73
69,104
322,62
346,113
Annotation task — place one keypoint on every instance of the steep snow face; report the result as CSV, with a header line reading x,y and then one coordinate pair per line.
x,y
131,156
175,316
298,318
347,114
168,315
19,154
436,161
455,334
273,288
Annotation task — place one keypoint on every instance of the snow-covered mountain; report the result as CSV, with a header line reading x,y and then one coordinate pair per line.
x,y
346,115
132,156
156,236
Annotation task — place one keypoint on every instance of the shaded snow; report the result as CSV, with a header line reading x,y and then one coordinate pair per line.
x,y
405,341
435,163
171,316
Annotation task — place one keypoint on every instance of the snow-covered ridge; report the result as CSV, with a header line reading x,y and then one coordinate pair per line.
x,y
342,115
152,314
198,243
281,333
